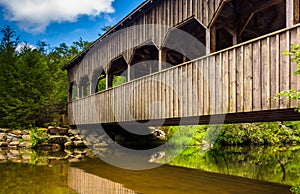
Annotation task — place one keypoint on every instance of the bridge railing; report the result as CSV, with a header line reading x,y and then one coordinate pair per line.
x,y
243,78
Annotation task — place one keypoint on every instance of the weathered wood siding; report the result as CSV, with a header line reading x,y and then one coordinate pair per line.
x,y
152,25
242,78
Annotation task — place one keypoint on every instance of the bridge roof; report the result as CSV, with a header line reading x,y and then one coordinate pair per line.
x,y
126,21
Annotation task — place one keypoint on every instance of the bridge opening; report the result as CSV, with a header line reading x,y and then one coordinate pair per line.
x,y
73,91
98,80
144,60
185,42
240,20
118,72
84,86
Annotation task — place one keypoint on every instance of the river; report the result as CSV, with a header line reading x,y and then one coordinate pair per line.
x,y
224,170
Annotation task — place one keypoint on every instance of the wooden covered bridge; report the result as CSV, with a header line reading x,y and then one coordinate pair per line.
x,y
183,61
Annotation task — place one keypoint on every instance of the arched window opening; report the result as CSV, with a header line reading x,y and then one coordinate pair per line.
x,y
118,72
98,80
242,20
144,60
183,43
84,87
73,91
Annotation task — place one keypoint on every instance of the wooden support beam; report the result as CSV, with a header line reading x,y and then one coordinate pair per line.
x,y
289,13
213,39
296,11
261,8
109,80
160,59
129,73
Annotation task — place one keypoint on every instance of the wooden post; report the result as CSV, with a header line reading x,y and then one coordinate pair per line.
x,y
207,41
211,37
160,59
109,80
129,73
296,11
289,13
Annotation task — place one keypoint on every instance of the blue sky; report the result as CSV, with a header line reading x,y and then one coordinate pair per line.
x,y
57,21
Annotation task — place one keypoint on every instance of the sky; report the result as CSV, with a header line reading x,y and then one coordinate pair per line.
x,y
62,21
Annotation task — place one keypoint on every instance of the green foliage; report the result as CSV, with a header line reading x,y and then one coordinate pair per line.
x,y
295,189
275,133
38,137
33,86
118,80
292,94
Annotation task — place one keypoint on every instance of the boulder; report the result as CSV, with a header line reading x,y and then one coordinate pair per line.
x,y
3,144
57,131
2,137
79,144
25,144
5,130
18,133
68,144
14,143
26,137
73,131
57,139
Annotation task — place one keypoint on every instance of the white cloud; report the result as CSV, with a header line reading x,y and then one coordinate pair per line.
x,y
35,15
23,45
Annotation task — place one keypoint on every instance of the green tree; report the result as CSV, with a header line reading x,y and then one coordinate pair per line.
x,y
292,94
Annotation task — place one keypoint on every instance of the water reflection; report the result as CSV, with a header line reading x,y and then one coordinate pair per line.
x,y
49,173
83,182
273,164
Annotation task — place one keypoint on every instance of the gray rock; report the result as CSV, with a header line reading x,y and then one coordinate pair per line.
x,y
78,144
77,138
18,133
57,131
3,144
73,131
25,144
14,143
5,130
57,139
68,144
74,160
3,156
2,137
26,137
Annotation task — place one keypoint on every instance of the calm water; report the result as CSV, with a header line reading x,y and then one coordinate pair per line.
x,y
227,170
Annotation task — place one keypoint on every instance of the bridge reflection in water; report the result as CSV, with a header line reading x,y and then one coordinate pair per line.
x,y
86,183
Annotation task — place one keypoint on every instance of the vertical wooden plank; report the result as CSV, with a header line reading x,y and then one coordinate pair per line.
x,y
265,74
171,83
180,96
257,76
284,67
294,77
206,86
296,11
212,85
274,54
240,79
176,95
194,103
225,86
190,91
218,85
233,81
201,87
289,13
248,76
